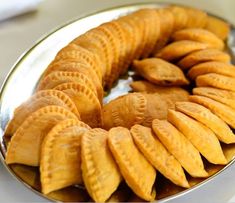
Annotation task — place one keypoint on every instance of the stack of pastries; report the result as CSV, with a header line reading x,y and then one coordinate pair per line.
x,y
180,111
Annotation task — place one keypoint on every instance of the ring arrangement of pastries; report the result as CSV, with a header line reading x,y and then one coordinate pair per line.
x,y
176,117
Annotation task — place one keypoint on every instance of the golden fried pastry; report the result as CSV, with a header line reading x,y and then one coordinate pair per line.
x,y
140,108
135,169
38,100
166,28
160,72
78,53
115,46
74,66
86,102
157,107
196,18
212,67
25,144
125,111
99,170
130,47
112,72
203,56
156,29
209,119
199,35
98,44
224,96
216,80
141,38
178,49
218,27
180,17
62,147
181,148
123,38
199,135
223,111
173,93
140,33
141,30
148,87
119,34
157,155
47,131
151,17
118,40
58,77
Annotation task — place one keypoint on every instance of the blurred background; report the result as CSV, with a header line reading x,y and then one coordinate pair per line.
x,y
34,19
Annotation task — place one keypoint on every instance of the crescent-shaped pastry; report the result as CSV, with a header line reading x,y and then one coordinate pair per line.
x,y
173,93
166,28
86,102
211,67
135,169
218,26
120,37
199,135
216,80
209,119
224,96
178,49
99,170
58,77
98,44
72,65
157,155
83,55
180,147
38,100
25,144
223,111
157,107
180,17
203,56
133,39
125,111
114,44
139,33
160,72
196,18
154,18
152,127
60,157
199,35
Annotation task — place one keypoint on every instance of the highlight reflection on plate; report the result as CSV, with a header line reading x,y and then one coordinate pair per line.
x,y
23,78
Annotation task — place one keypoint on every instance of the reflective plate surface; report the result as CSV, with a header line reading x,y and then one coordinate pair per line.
x,y
23,78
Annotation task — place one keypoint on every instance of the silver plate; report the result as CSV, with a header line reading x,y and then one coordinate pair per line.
x,y
23,77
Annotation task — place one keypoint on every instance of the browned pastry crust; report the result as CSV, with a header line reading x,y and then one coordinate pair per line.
x,y
155,128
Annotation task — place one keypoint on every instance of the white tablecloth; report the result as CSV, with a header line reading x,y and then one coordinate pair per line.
x,y
19,34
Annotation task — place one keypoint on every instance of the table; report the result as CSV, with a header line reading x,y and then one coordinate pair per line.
x,y
19,34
